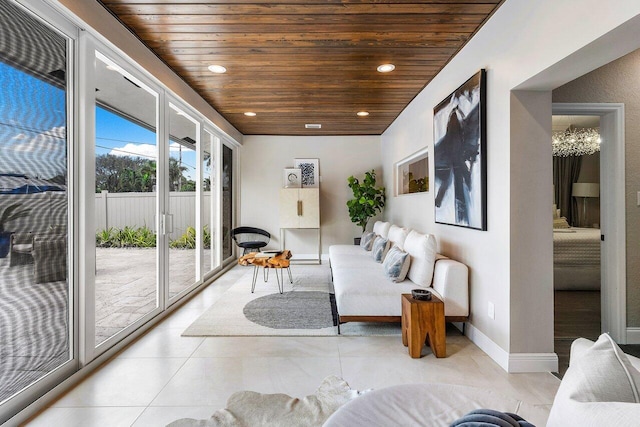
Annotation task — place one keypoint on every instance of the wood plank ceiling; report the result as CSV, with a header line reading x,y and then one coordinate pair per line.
x,y
294,62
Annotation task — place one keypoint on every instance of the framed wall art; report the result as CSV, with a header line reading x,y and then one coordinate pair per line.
x,y
412,173
310,173
459,124
291,178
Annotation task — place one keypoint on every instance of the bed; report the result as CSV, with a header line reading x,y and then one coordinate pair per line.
x,y
576,259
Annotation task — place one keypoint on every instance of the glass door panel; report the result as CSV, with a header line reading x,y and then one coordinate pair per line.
x,y
227,201
207,212
183,135
126,199
36,292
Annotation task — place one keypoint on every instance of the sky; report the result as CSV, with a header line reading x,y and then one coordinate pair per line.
x,y
33,130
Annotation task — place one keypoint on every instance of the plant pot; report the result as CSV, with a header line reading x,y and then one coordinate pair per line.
x,y
356,241
5,240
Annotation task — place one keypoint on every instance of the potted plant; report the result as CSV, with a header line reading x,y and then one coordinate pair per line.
x,y
367,199
10,213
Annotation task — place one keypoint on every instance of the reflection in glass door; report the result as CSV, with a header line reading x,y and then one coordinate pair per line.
x,y
184,132
126,201
36,292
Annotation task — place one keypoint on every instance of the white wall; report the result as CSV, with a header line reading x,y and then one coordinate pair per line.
x,y
262,159
523,46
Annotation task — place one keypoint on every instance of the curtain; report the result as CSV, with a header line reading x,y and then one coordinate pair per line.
x,y
565,173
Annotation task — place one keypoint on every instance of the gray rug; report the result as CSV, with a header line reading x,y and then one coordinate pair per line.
x,y
291,310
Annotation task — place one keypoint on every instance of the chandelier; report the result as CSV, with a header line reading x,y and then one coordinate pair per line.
x,y
576,142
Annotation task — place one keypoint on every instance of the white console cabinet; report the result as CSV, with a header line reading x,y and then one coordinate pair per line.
x,y
300,208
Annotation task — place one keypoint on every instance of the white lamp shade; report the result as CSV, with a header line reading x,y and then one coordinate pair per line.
x,y
585,189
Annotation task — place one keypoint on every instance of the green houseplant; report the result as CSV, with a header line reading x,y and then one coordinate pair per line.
x,y
10,213
367,200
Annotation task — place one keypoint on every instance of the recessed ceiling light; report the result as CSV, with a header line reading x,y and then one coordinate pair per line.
x,y
362,113
250,114
218,69
313,126
385,68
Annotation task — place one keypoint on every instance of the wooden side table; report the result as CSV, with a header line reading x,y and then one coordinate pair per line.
x,y
423,321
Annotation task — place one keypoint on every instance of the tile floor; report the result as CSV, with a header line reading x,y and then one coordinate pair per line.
x,y
162,376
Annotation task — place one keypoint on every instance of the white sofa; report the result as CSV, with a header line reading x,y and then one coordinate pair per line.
x,y
364,293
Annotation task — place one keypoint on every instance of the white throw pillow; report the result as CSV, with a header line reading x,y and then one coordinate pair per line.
x,y
423,250
380,249
381,228
396,264
601,373
398,235
366,241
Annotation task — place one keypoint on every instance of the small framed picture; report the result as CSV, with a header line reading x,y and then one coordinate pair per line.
x,y
310,172
291,178
412,173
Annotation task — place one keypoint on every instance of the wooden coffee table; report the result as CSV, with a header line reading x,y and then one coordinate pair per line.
x,y
423,321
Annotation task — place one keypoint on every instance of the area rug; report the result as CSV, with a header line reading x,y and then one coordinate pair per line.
x,y
304,309
248,408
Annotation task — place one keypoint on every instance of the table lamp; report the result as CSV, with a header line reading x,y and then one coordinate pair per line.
x,y
585,190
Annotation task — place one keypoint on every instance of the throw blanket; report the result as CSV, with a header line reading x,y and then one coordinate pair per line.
x,y
490,418
248,408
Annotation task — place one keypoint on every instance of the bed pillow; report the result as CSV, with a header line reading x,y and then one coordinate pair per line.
x,y
423,250
366,241
398,235
396,264
380,249
381,228
560,223
601,373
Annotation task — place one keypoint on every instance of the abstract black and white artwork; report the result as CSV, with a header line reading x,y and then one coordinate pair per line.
x,y
459,124
309,170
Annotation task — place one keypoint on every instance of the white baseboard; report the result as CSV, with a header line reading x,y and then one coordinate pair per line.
x,y
512,362
493,350
533,362
633,335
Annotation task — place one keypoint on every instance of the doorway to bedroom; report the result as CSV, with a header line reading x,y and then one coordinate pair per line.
x,y
576,231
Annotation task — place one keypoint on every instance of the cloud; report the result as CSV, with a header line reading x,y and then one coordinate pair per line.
x,y
43,155
148,151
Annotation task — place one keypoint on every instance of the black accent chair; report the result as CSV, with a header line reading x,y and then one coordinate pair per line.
x,y
250,239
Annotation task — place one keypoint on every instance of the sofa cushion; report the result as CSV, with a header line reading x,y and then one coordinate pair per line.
x,y
381,228
398,235
380,249
599,378
396,264
366,241
422,248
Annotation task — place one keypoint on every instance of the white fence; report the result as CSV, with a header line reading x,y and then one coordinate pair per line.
x,y
119,210
116,210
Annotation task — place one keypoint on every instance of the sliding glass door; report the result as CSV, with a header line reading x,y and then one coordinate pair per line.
x,y
126,199
210,202
36,290
183,226
227,201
